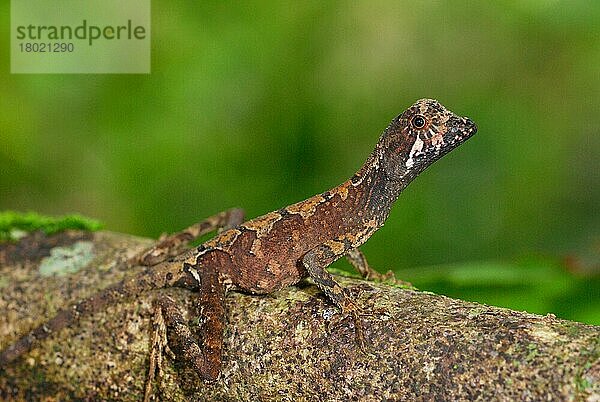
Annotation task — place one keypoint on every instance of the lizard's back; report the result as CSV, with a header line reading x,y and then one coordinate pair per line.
x,y
265,253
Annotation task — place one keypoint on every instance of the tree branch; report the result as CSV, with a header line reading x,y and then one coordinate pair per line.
x,y
288,345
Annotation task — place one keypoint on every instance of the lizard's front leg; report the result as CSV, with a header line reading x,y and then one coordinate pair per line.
x,y
316,261
174,244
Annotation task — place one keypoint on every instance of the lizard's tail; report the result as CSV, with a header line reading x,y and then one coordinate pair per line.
x,y
159,276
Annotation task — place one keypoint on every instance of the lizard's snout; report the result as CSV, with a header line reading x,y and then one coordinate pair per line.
x,y
467,126
470,126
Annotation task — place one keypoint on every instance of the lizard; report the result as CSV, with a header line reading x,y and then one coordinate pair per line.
x,y
277,249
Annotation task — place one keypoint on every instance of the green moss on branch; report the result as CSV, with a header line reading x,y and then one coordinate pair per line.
x,y
13,225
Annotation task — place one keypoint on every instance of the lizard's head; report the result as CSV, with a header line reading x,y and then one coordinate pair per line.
x,y
425,132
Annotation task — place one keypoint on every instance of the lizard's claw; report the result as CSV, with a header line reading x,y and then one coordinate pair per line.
x,y
390,278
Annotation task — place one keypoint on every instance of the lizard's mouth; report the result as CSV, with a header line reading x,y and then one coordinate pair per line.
x,y
460,130
465,130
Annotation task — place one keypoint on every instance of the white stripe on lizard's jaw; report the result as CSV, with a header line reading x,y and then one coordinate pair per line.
x,y
416,149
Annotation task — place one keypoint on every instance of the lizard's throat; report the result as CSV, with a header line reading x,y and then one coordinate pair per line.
x,y
379,188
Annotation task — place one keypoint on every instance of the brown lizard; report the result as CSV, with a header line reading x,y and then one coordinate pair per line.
x,y
278,249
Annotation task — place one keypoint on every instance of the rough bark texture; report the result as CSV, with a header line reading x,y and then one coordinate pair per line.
x,y
291,345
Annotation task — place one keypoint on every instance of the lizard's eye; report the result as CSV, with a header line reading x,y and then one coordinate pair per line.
x,y
418,122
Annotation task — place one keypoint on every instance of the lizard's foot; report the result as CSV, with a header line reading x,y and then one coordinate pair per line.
x,y
158,347
359,261
390,278
351,311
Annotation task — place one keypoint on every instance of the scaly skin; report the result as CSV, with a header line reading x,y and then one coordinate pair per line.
x,y
282,247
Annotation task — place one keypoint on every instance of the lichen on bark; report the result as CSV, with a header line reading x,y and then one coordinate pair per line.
x,y
288,345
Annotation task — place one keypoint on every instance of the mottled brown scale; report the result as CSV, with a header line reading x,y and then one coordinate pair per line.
x,y
277,249
249,271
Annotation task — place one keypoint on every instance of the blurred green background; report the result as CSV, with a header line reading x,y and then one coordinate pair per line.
x,y
261,106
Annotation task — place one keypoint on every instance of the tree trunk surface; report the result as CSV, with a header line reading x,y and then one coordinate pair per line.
x,y
289,345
